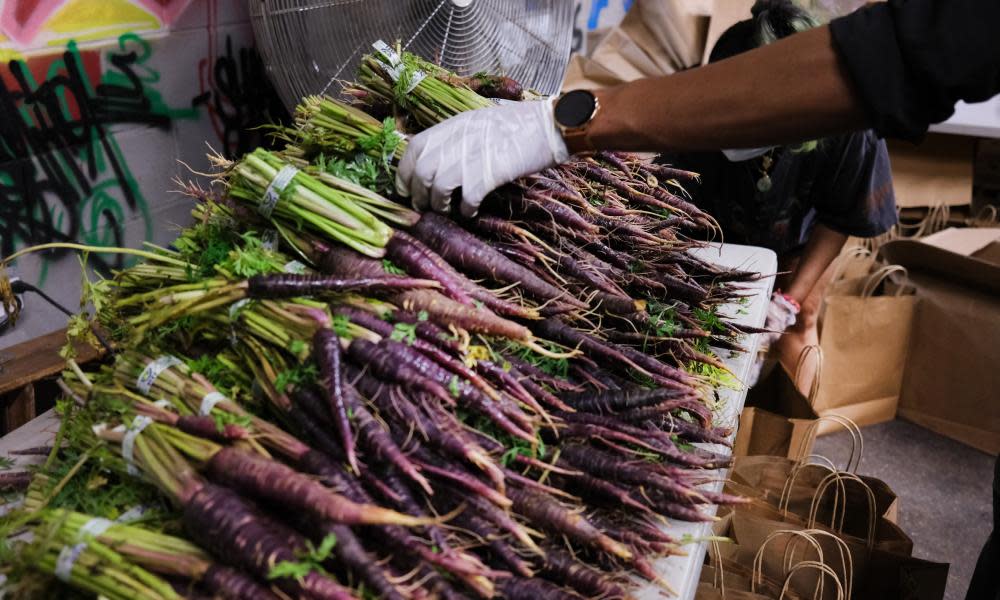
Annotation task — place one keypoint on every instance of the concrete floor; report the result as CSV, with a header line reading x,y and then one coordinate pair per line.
x,y
944,489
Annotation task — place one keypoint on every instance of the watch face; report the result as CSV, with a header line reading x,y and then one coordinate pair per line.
x,y
575,108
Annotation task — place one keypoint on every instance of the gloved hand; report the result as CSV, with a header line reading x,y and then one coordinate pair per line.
x,y
781,314
479,151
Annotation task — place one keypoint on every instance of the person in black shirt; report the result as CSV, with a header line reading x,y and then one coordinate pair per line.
x,y
802,200
896,67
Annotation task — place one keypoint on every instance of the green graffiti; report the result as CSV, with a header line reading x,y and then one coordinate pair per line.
x,y
63,174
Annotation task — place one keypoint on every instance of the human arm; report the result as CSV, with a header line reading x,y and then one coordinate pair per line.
x,y
733,103
823,246
897,66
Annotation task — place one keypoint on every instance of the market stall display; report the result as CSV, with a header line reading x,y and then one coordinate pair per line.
x,y
323,394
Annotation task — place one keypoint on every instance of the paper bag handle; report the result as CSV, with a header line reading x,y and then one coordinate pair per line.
x,y
786,490
814,386
840,263
719,578
988,216
809,564
880,275
857,439
839,478
935,220
846,559
757,568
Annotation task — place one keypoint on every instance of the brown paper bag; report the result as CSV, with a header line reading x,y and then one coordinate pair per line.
x,y
865,341
772,564
777,415
791,484
726,576
951,379
851,270
877,575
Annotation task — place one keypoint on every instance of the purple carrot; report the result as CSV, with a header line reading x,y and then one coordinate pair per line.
x,y
468,482
537,374
387,366
288,285
556,330
232,530
272,481
441,269
382,447
429,331
561,567
398,537
602,464
204,426
15,482
468,519
539,203
618,400
508,382
419,260
229,584
589,486
467,252
327,353
493,513
545,511
442,309
442,359
341,261
513,421
666,172
532,588
682,512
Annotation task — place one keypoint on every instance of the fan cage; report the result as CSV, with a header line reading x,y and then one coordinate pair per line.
x,y
314,46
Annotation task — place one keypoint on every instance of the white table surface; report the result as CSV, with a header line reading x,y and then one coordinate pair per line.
x,y
682,572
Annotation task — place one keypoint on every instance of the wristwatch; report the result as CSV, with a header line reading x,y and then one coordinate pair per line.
x,y
574,111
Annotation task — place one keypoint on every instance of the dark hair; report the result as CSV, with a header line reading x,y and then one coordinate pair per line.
x,y
770,21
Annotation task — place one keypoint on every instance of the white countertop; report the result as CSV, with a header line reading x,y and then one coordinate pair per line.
x,y
682,572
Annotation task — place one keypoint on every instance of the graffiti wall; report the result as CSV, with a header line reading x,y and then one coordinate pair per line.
x,y
102,104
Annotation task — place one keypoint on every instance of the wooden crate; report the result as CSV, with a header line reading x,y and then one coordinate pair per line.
x,y
27,373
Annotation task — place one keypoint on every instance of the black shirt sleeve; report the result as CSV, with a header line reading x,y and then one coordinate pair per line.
x,y
912,60
852,191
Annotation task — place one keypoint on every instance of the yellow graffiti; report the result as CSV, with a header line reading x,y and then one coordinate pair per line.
x,y
7,53
85,20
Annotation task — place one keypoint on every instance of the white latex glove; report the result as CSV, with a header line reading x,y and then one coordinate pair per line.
x,y
479,151
781,314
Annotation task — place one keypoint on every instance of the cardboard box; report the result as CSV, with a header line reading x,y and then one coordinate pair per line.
x,y
938,171
951,382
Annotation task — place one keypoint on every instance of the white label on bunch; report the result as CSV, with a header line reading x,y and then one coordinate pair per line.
x,y
67,558
271,195
133,514
294,267
94,528
128,442
394,65
236,307
209,402
269,239
163,403
153,370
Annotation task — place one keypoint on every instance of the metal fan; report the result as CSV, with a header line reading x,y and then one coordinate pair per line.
x,y
310,46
